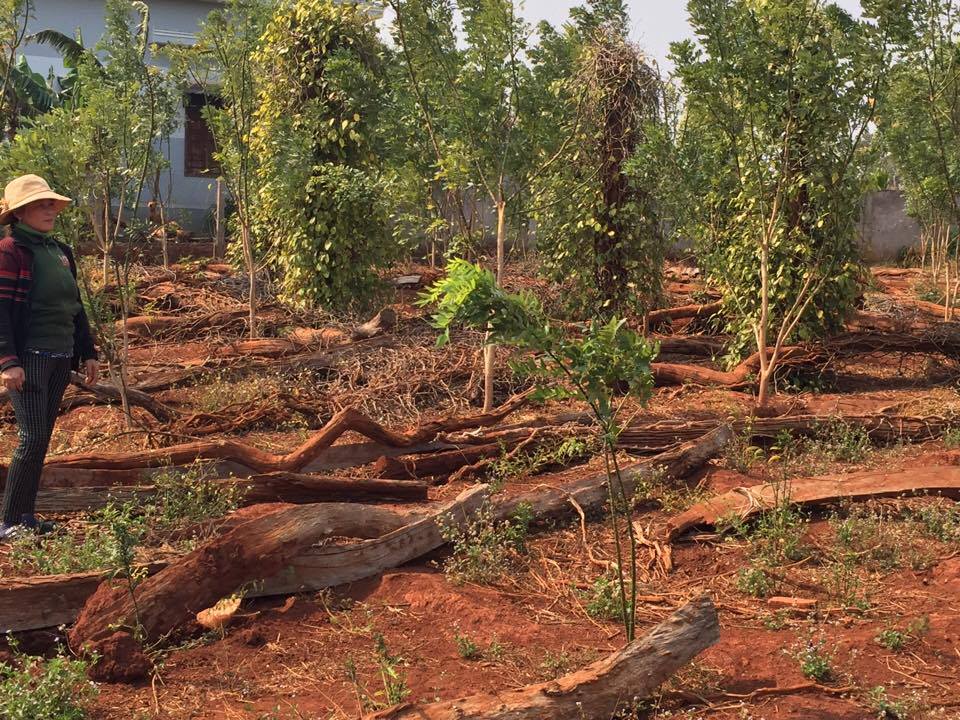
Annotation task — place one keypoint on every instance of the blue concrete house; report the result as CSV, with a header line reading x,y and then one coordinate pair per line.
x,y
171,22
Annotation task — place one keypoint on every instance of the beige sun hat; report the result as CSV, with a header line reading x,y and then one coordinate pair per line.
x,y
25,190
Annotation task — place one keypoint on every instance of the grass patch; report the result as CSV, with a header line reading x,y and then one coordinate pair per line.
x,y
484,548
33,688
111,534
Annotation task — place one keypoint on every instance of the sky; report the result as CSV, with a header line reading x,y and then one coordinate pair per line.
x,y
656,23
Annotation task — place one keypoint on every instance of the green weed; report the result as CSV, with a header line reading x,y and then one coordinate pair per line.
x,y
32,688
755,581
887,709
775,621
740,454
466,647
185,497
604,601
951,438
553,452
816,663
896,640
395,689
939,522
485,548
103,546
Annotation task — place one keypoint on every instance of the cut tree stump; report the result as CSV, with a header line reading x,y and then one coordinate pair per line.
x,y
383,321
746,502
598,691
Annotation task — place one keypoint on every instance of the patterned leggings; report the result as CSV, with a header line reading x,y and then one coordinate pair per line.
x,y
36,407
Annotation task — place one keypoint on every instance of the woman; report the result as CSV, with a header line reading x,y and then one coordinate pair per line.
x,y
44,334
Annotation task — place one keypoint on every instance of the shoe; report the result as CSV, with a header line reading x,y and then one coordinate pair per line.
x,y
40,527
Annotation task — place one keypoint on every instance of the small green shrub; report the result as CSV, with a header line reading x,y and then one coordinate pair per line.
x,y
101,547
885,708
939,522
755,581
815,662
190,496
557,451
775,621
395,689
484,548
740,454
466,647
951,438
32,688
604,601
842,442
891,639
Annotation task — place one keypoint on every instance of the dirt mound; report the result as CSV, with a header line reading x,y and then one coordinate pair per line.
x,y
121,660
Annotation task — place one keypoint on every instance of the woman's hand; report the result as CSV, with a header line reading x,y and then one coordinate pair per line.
x,y
91,371
13,378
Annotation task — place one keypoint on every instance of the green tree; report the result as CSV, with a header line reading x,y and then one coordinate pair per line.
x,y
320,216
597,223
222,62
479,107
14,15
606,359
780,98
920,126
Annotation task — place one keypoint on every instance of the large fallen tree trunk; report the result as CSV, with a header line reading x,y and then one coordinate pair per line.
x,y
598,691
658,317
254,550
347,420
745,502
679,374
294,488
654,437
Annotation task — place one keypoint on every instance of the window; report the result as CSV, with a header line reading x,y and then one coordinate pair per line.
x,y
199,145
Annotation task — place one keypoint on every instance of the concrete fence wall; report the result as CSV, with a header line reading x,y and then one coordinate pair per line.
x,y
885,228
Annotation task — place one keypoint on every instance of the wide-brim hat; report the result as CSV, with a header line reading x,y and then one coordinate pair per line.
x,y
25,190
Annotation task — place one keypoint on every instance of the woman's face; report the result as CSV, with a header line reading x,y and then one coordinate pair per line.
x,y
40,215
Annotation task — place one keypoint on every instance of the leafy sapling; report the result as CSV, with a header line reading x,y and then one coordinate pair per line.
x,y
605,360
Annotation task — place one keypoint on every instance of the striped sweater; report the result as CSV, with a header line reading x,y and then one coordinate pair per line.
x,y
16,276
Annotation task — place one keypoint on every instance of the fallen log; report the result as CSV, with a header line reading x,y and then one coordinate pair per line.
x,y
253,550
654,437
347,420
259,550
300,488
658,317
811,492
137,398
598,691
145,326
319,568
109,394
293,488
741,375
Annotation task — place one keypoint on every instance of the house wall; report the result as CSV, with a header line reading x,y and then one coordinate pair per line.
x,y
190,199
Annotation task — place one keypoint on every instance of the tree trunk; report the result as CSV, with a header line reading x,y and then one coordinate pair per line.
x,y
810,492
248,258
219,229
489,351
598,691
